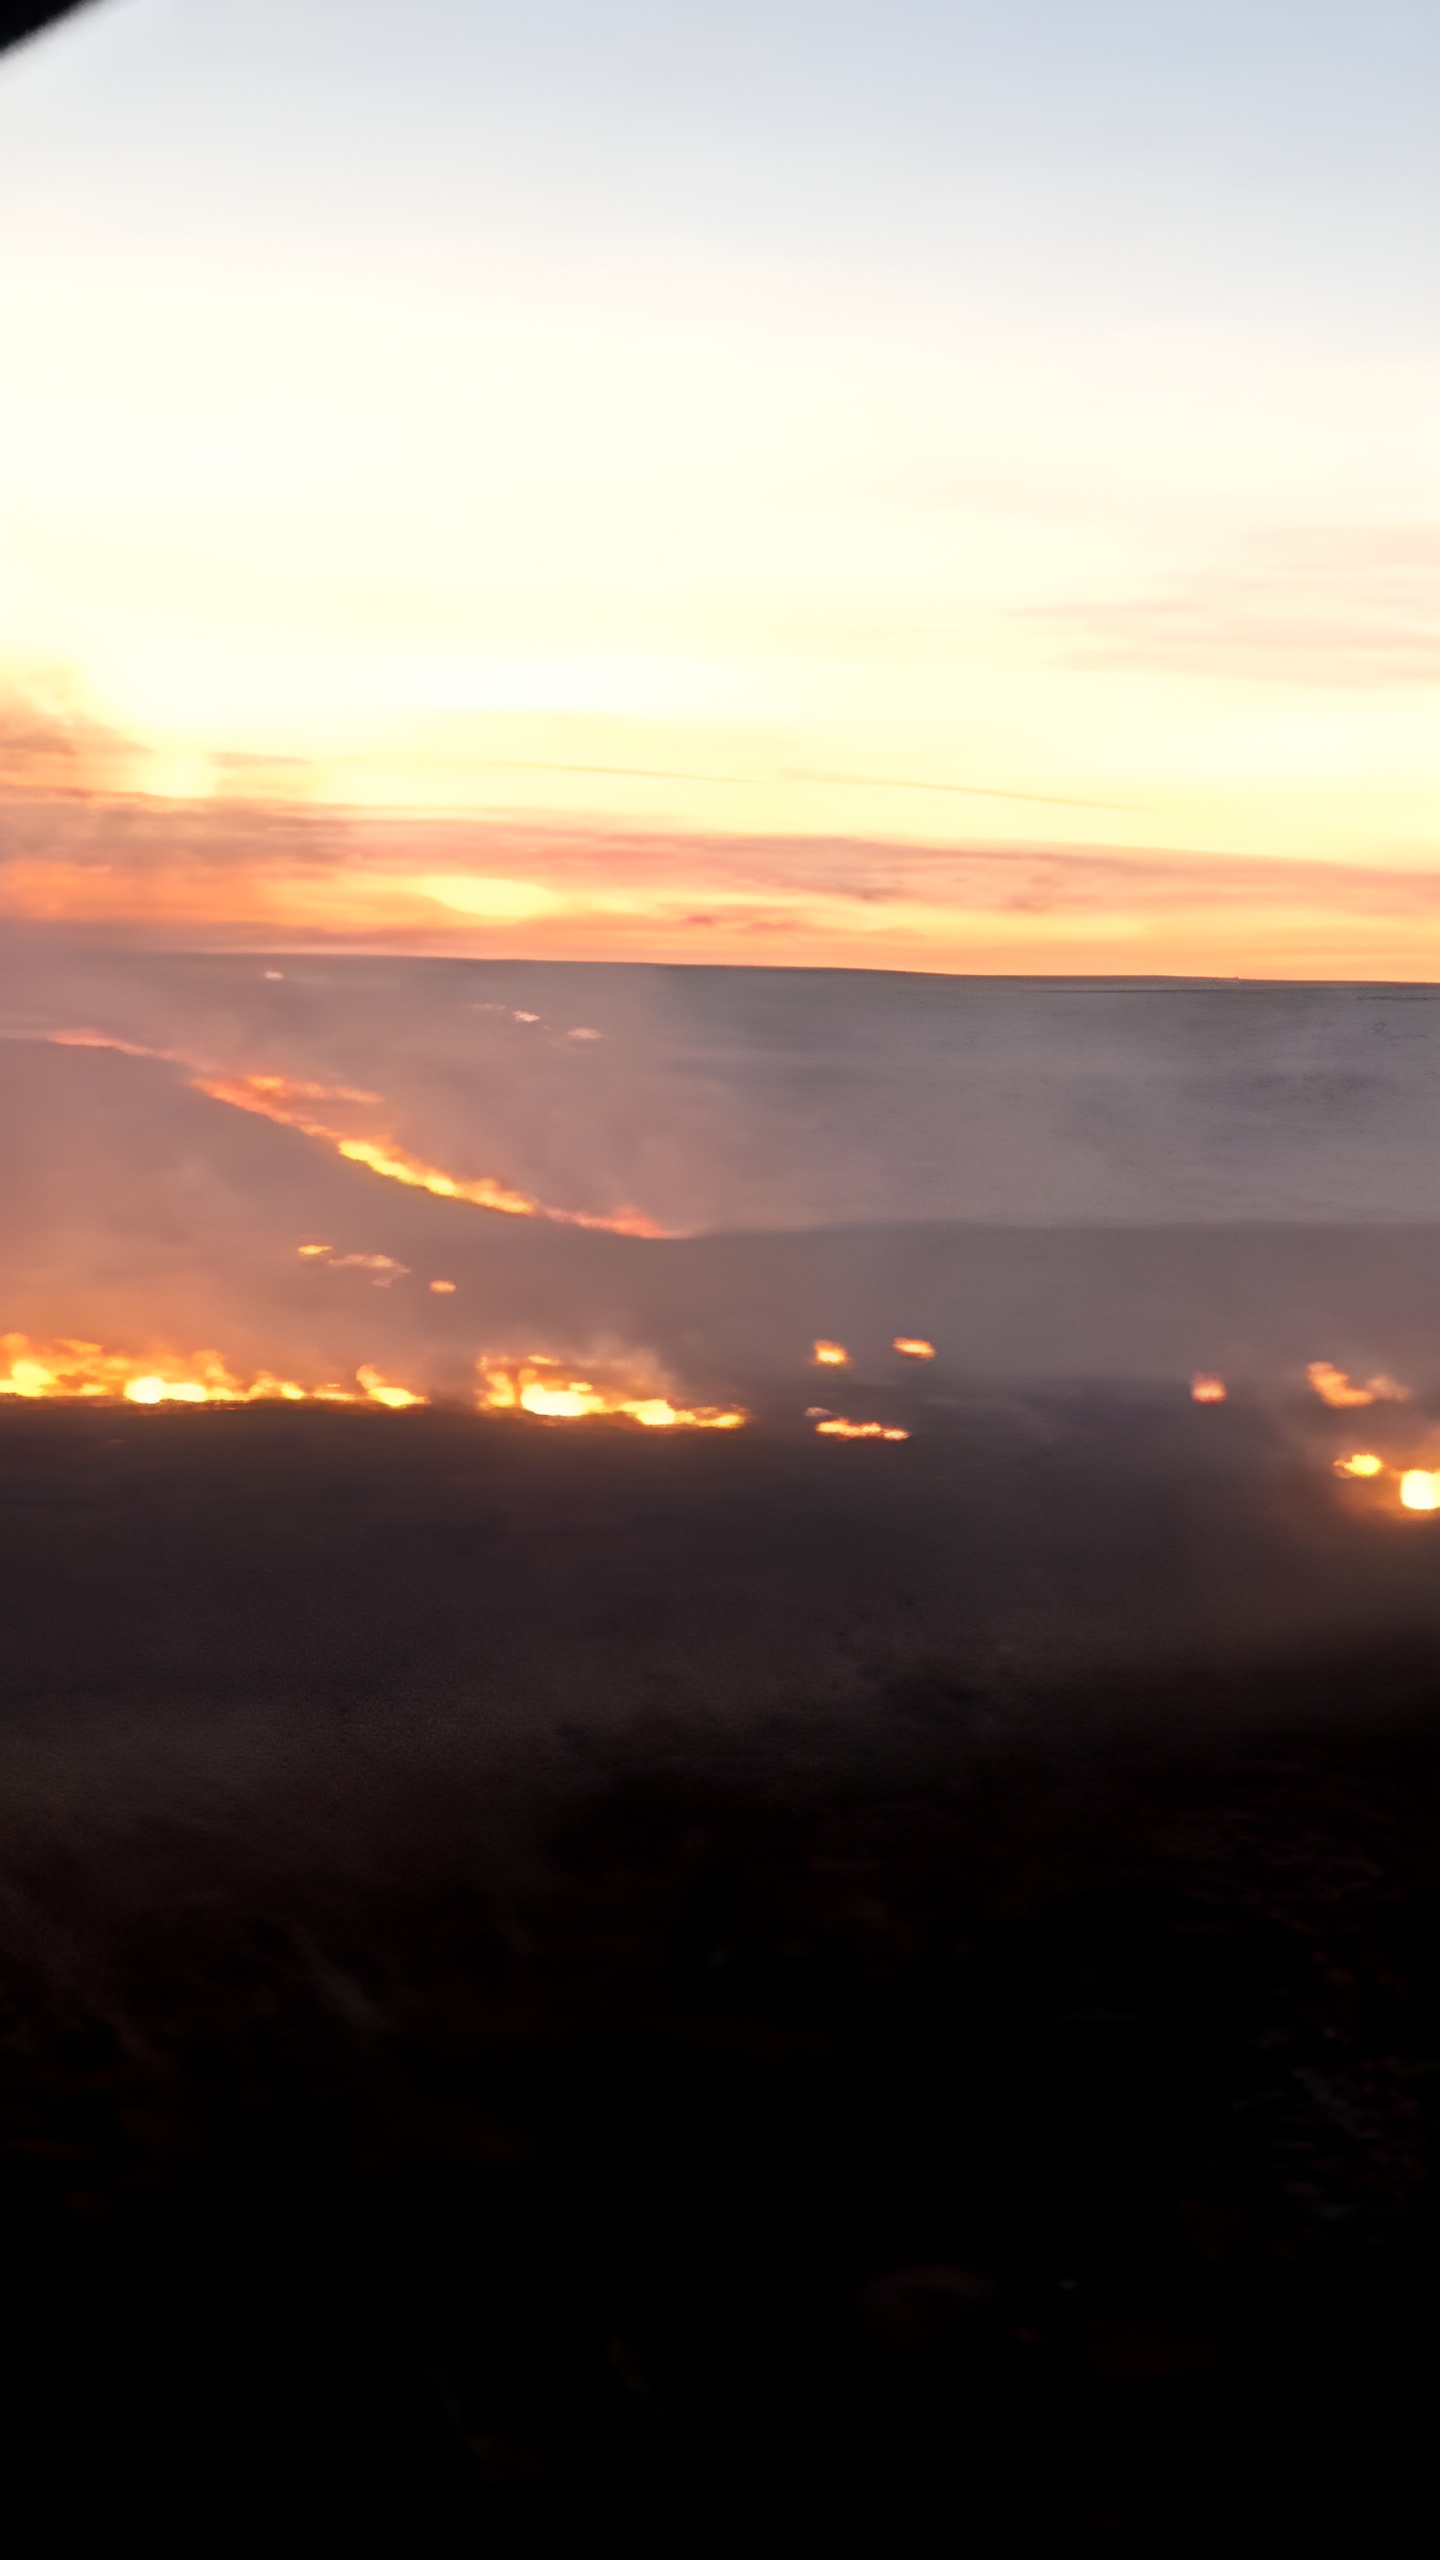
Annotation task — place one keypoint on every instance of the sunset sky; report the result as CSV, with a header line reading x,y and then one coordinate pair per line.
x,y
932,485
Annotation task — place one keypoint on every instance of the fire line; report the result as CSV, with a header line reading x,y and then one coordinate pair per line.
x,y
68,1370
287,1101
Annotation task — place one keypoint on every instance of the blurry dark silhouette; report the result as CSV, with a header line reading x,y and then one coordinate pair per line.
x,y
22,18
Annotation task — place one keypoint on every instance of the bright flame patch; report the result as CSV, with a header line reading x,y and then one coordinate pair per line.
x,y
1334,1388
1364,1463
912,1347
380,1392
837,1429
553,1392
1207,1390
830,1355
68,1371
1420,1489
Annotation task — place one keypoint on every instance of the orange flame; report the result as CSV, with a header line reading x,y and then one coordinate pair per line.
x,y
913,1347
1363,1463
830,1355
1420,1489
278,1098
384,1265
1207,1390
108,1040
67,1371
379,1392
281,1098
549,1389
836,1429
1334,1388
443,1288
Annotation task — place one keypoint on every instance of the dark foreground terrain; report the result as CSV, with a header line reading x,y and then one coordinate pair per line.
x,y
563,1987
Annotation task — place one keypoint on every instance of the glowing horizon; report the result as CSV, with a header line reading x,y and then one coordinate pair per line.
x,y
612,531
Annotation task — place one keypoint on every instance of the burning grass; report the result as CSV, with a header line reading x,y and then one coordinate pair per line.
x,y
555,1390
68,1371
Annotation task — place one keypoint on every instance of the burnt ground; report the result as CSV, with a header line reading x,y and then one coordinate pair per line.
x,y
557,1984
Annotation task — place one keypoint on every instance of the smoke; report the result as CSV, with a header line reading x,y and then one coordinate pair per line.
x,y
147,1215
768,1100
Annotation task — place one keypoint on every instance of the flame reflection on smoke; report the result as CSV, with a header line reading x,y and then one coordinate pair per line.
x,y
554,1392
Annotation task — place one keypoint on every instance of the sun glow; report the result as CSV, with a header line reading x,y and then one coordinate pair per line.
x,y
68,1371
555,1391
497,901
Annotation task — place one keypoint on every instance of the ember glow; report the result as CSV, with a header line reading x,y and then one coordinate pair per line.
x,y
830,1355
1207,1390
555,1391
1420,1489
912,1347
838,1429
1363,1463
69,1371
1334,1388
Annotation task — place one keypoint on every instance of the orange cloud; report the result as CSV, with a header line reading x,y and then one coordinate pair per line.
x,y
48,743
1333,606
159,873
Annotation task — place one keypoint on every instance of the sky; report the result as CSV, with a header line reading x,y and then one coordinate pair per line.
x,y
930,486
